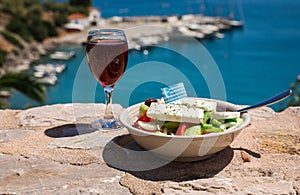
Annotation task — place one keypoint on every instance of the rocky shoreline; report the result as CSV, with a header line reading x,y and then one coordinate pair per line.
x,y
21,61
139,30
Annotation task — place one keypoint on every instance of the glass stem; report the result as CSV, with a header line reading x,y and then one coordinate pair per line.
x,y
108,101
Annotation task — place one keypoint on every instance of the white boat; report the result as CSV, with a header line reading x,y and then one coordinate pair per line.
x,y
5,94
62,55
236,23
187,32
146,41
133,45
59,68
219,35
46,73
50,68
74,27
39,74
47,68
203,27
208,30
50,80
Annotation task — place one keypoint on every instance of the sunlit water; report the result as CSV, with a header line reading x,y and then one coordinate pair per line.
x,y
255,62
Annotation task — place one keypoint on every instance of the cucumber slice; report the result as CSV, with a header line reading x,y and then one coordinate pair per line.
x,y
215,122
148,126
194,130
206,116
143,109
207,126
224,115
170,125
214,130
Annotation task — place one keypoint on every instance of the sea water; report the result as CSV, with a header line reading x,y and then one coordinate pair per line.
x,y
254,63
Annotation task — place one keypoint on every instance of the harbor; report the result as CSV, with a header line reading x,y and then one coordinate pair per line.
x,y
47,73
162,28
142,32
239,47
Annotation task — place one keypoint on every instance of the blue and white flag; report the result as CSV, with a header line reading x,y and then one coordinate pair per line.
x,y
173,92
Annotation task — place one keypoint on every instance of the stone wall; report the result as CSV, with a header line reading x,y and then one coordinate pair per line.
x,y
52,150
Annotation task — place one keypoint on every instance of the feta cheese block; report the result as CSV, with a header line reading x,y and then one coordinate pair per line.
x,y
175,112
198,103
224,115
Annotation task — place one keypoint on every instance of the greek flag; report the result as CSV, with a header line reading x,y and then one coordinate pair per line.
x,y
173,92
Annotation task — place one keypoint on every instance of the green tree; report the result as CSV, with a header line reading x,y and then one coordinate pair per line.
x,y
35,12
19,26
51,30
30,3
294,99
12,39
13,7
82,3
2,57
23,83
60,19
38,30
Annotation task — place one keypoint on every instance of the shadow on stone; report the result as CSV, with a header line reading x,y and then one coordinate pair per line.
x,y
68,130
253,154
125,154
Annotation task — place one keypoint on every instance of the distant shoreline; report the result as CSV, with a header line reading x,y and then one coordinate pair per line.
x,y
140,31
163,26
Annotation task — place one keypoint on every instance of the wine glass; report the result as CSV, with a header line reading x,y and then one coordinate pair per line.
x,y
107,56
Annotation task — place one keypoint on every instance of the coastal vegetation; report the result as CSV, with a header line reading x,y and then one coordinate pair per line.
x,y
23,83
294,99
26,23
34,20
23,23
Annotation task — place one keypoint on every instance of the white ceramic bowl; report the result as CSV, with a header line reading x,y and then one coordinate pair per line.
x,y
183,148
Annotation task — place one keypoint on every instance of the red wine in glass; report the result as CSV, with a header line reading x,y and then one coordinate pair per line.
x,y
107,55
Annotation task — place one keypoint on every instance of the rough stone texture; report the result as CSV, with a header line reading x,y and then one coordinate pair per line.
x,y
41,176
62,114
52,150
14,134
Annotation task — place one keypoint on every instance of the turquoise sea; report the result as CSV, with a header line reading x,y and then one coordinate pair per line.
x,y
252,63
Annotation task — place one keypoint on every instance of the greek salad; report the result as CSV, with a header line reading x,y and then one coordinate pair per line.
x,y
185,117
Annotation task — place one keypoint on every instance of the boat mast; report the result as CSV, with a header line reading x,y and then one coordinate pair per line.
x,y
202,7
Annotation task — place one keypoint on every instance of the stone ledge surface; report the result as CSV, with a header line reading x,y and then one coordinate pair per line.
x,y
51,149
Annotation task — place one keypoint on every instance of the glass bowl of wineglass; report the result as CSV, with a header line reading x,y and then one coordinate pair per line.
x,y
107,56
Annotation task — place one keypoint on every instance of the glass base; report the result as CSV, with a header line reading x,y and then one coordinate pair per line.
x,y
104,125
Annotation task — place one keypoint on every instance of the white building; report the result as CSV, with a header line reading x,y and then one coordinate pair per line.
x,y
94,16
78,21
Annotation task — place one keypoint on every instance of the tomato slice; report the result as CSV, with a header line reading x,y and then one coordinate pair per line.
x,y
182,128
144,118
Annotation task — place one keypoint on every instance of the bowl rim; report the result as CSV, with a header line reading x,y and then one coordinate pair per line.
x,y
245,116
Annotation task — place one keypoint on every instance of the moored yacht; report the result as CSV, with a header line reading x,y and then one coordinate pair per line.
x,y
62,55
